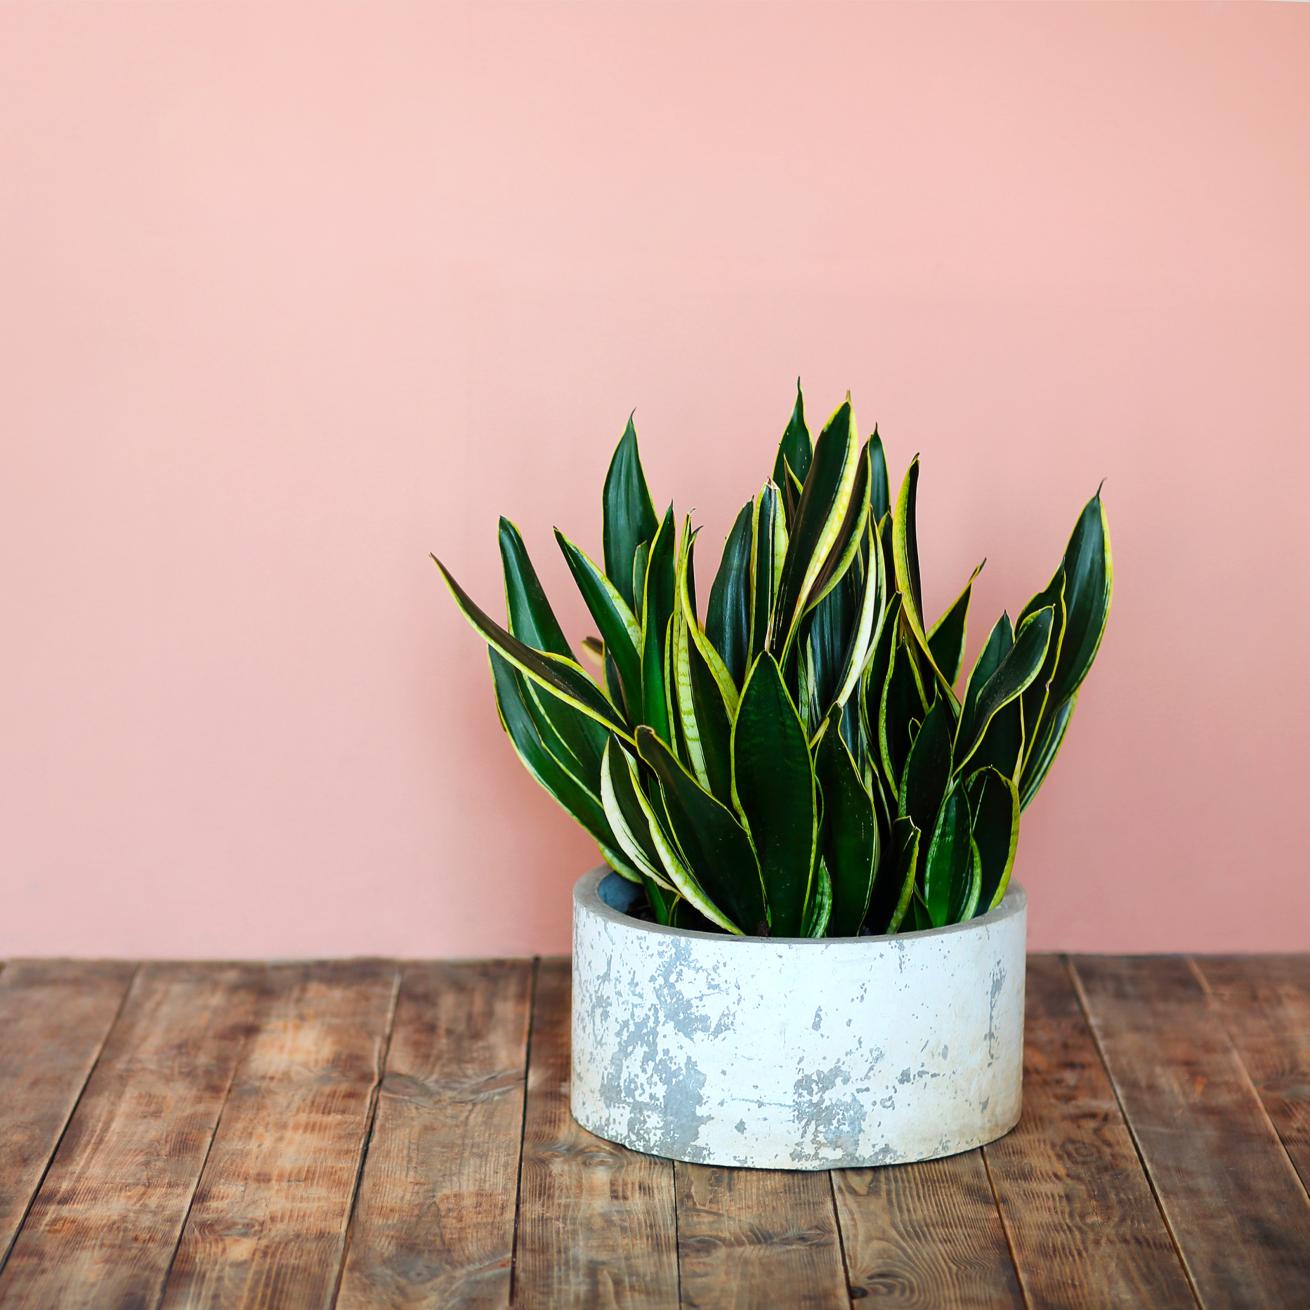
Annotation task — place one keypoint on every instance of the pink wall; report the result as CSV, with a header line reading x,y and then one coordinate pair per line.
x,y
290,295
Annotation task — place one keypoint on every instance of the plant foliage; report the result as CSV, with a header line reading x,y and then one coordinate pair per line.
x,y
801,760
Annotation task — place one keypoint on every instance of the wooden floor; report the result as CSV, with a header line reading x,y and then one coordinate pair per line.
x,y
372,1133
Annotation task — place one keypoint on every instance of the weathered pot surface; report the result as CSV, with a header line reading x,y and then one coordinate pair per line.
x,y
786,1053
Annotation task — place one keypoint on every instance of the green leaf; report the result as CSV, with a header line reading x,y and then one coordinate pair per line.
x,y
559,676
774,789
668,844
521,726
627,817
964,901
928,768
905,559
794,450
880,501
902,700
947,636
618,626
869,620
994,814
628,514
640,562
1089,585
850,537
893,888
1013,675
716,847
656,613
531,618
1040,758
1002,743
824,504
829,630
727,620
533,622
1037,698
768,549
819,912
995,649
949,865
850,833
703,716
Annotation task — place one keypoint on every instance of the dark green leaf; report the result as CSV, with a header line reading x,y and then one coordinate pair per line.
x,y
556,674
850,833
1044,751
1089,584
628,817
629,516
996,648
819,912
618,626
947,637
994,813
794,449
727,621
825,502
928,767
901,702
716,847
1013,675
1036,699
949,865
518,720
893,888
880,501
768,542
773,783
531,618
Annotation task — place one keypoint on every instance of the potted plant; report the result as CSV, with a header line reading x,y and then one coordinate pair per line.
x,y
804,949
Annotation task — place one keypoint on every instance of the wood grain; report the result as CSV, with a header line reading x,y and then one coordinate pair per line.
x,y
926,1235
268,1222
105,1223
749,1238
1265,1004
1233,1202
1084,1226
54,1017
434,1222
596,1221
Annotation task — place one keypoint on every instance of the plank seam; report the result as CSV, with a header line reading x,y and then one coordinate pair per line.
x,y
1221,1011
523,1128
370,1118
1085,1006
77,1101
200,1173
1005,1229
841,1240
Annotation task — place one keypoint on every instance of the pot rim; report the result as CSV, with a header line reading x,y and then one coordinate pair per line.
x,y
586,896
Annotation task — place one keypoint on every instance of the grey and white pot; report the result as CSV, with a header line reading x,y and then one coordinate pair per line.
x,y
787,1053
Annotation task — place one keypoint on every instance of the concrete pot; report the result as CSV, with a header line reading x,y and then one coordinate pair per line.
x,y
795,1053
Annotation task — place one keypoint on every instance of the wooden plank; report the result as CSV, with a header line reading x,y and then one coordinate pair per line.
x,y
926,1235
1265,1004
434,1223
1234,1204
596,1221
105,1223
749,1237
268,1222
1078,1208
54,1017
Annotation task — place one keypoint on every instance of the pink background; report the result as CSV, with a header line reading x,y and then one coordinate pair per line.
x,y
290,295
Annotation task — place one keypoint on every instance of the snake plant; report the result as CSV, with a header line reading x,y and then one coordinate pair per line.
x,y
799,756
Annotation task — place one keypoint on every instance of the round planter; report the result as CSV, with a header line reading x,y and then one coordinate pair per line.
x,y
795,1053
